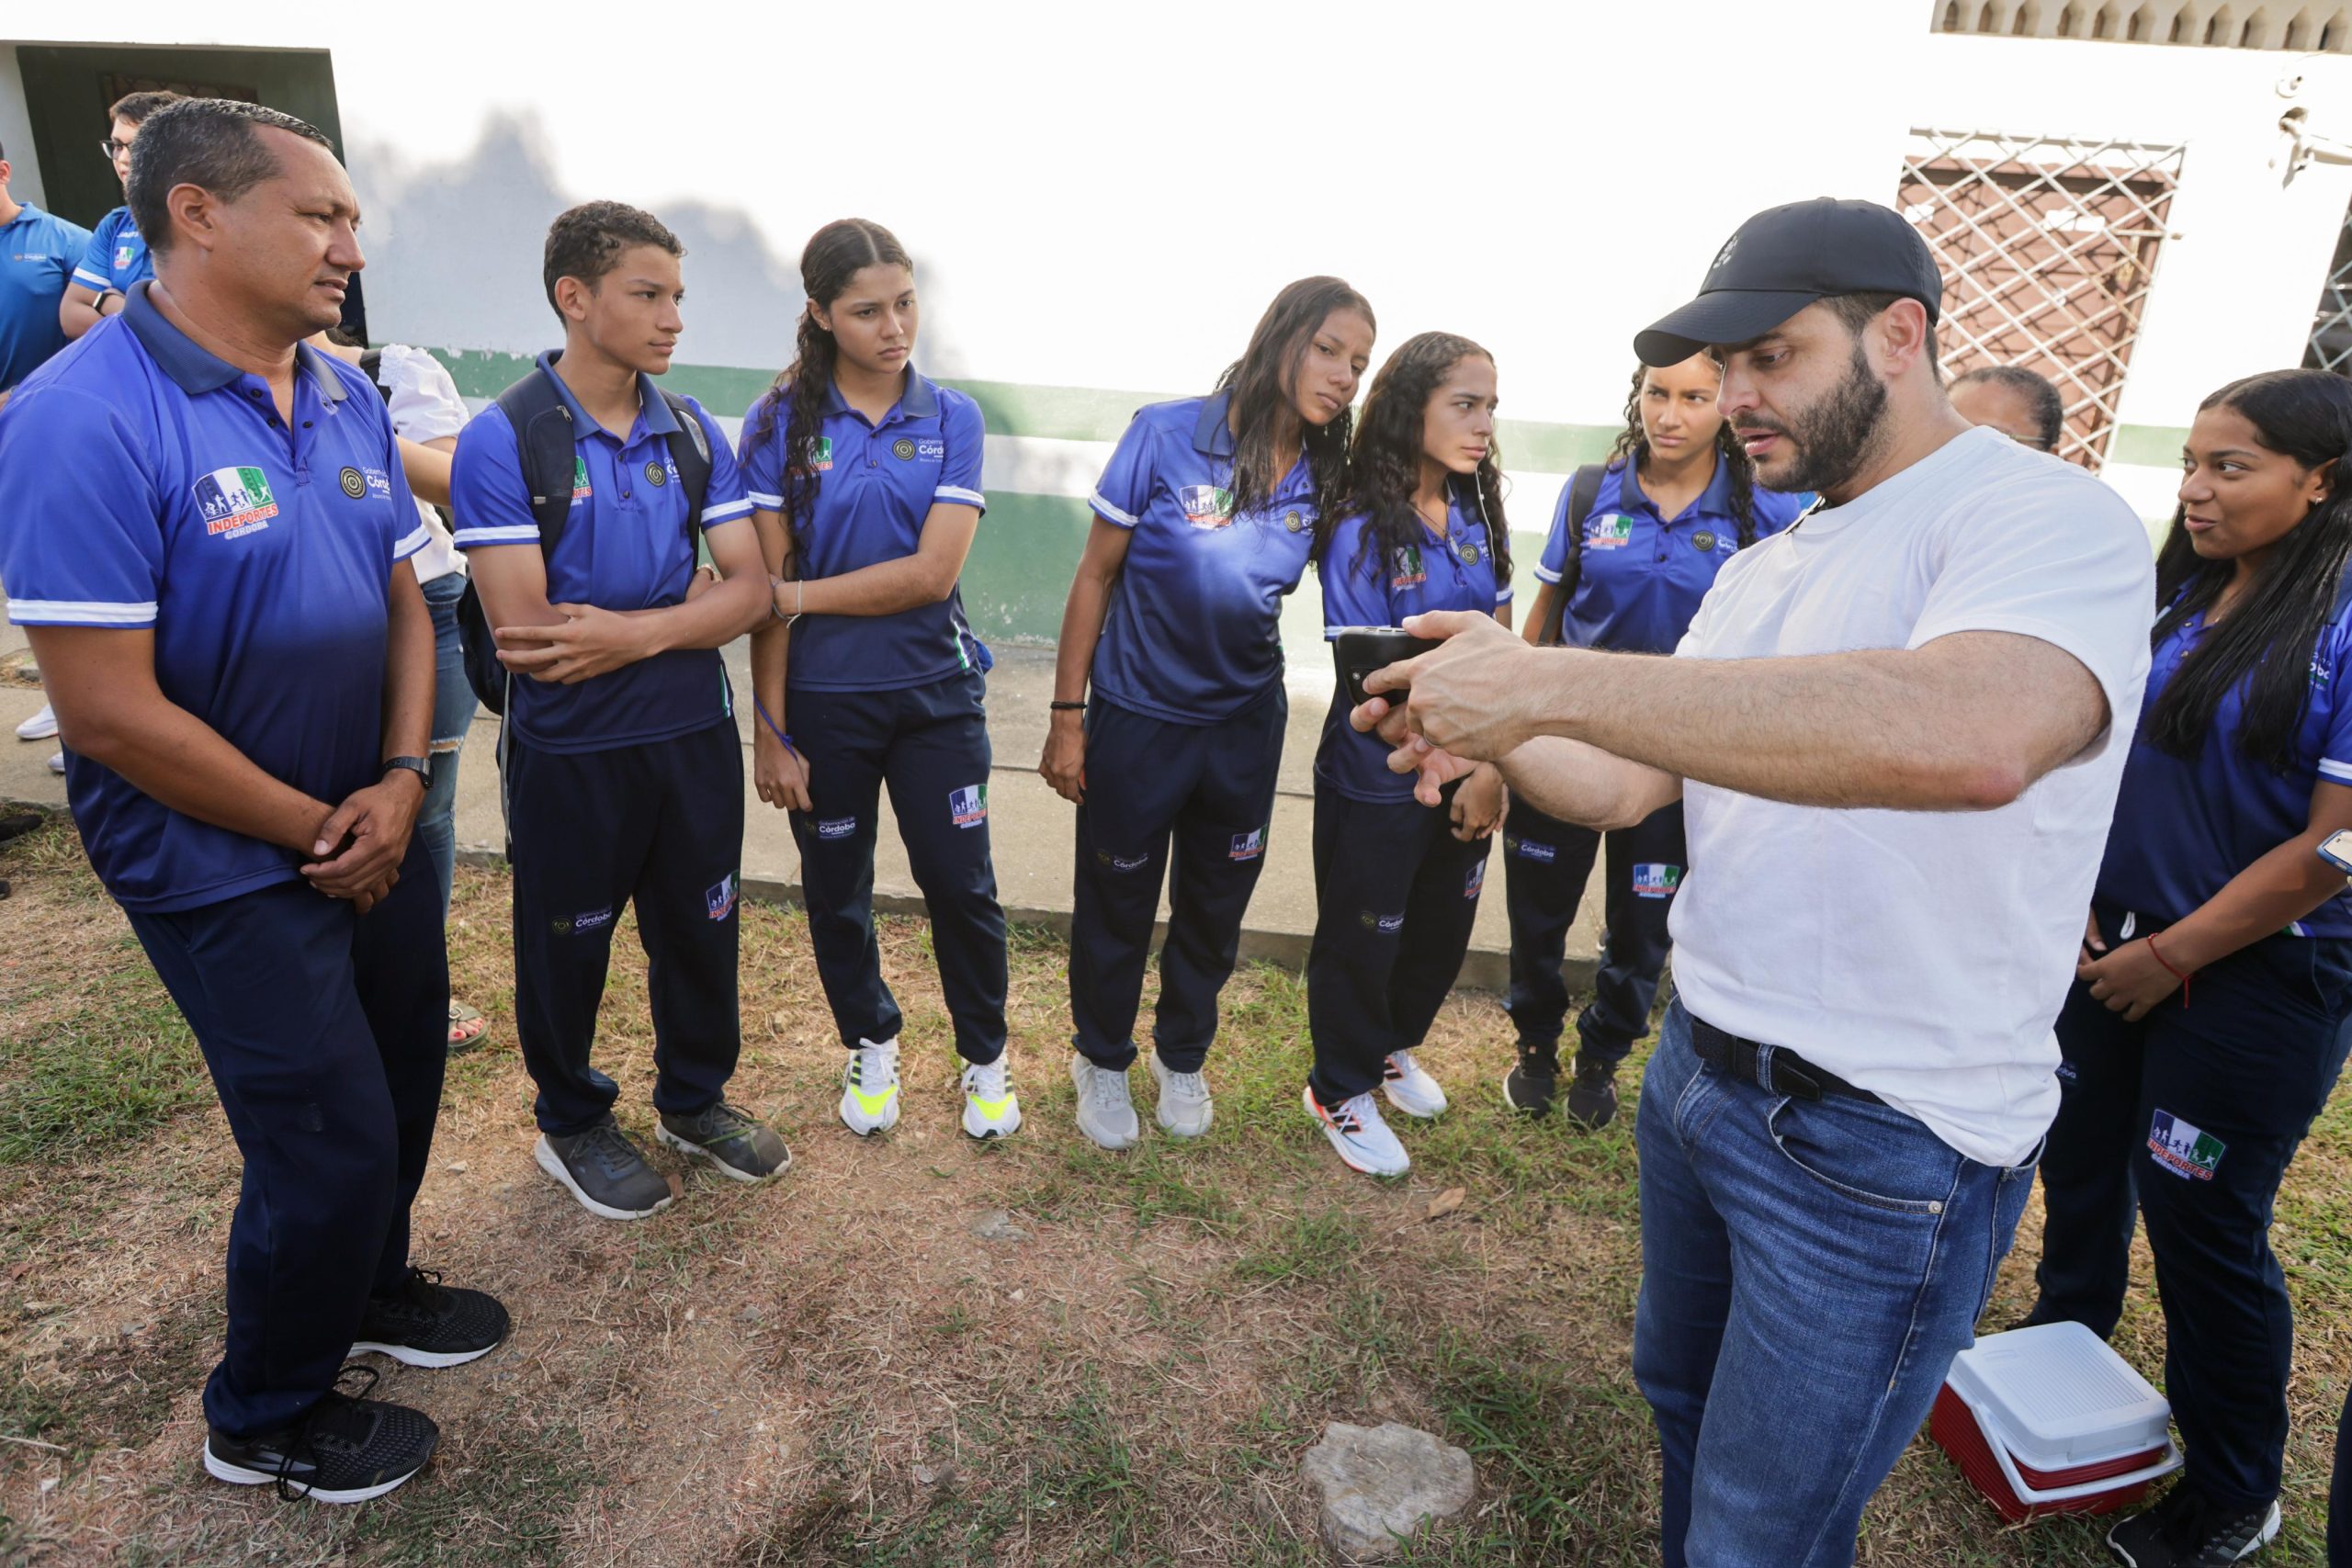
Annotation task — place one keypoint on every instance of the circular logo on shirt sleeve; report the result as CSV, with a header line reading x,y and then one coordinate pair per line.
x,y
1705,539
353,485
903,450
654,474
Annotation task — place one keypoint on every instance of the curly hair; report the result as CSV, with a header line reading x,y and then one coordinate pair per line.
x,y
2266,644
833,256
1384,462
586,242
1263,382
1632,445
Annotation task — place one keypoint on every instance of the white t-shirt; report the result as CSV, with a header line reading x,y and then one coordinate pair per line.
x,y
424,405
1921,954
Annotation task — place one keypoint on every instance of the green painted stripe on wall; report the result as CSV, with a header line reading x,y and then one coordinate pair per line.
x,y
1013,408
2153,445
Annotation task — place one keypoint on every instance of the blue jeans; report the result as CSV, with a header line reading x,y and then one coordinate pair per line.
x,y
1809,1269
453,713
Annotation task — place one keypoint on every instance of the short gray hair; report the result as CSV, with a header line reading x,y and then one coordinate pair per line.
x,y
210,142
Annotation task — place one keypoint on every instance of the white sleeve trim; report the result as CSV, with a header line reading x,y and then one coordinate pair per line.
x,y
725,510
88,279
416,541
1502,596
496,535
1546,574
767,503
2340,772
80,613
958,494
1111,513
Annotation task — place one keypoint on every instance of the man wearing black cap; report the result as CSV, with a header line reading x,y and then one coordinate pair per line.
x,y
1897,731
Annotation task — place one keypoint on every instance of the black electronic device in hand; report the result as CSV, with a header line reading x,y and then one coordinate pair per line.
x,y
1360,650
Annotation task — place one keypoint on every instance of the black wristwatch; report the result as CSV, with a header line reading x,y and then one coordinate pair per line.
x,y
419,766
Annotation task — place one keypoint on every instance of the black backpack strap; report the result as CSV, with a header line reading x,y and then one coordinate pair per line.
x,y
371,364
543,440
1584,488
690,450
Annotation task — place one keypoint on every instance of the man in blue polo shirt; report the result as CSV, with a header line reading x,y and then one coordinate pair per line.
x,y
117,255
623,771
211,557
36,253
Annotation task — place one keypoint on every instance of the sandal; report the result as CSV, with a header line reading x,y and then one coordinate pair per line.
x,y
466,1027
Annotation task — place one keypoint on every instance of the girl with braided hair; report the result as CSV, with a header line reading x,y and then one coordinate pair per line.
x,y
1651,528
865,478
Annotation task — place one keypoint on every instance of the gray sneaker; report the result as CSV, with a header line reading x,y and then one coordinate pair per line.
x,y
741,1148
1104,1112
1186,1108
605,1171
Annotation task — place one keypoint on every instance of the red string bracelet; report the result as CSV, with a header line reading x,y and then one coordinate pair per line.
x,y
2175,974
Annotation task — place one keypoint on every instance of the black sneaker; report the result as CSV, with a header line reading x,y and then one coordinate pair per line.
x,y
741,1149
2186,1531
1532,1081
605,1171
426,1324
347,1449
1593,1093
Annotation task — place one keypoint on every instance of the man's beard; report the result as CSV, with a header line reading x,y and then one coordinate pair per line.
x,y
1835,436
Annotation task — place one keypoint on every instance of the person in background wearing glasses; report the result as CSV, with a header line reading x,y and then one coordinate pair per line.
x,y
2021,405
1420,527
116,256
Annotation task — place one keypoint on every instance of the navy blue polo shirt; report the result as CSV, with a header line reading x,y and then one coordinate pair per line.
x,y
2185,826
1457,572
116,257
151,485
1643,575
1193,631
876,486
38,250
626,545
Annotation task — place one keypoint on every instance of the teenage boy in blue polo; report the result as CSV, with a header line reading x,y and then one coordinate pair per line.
x,y
37,255
116,256
624,773
210,558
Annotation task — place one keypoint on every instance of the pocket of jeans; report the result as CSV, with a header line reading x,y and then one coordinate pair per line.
x,y
1848,1151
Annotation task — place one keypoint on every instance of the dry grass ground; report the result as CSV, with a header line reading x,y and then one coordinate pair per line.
x,y
839,1369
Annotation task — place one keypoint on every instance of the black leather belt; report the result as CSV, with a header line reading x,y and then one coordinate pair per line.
x,y
1775,1069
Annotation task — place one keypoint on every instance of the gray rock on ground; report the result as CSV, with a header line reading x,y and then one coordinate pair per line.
x,y
1380,1483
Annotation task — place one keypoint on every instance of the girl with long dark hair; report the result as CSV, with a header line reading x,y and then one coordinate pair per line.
x,y
1420,527
1203,522
2207,1023
865,486
1626,571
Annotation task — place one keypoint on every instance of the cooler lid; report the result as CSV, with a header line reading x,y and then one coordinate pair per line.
x,y
2061,1396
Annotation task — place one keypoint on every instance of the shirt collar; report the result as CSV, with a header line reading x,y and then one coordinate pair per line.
x,y
651,403
197,370
1714,501
920,400
1212,434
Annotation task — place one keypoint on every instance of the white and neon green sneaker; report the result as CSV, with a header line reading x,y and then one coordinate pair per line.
x,y
991,1108
870,1088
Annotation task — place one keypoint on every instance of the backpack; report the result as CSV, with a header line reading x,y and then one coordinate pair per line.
x,y
542,438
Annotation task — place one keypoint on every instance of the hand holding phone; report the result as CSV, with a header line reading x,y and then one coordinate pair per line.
x,y
1360,650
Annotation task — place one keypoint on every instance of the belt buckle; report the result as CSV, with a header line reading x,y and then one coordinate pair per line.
x,y
1786,1075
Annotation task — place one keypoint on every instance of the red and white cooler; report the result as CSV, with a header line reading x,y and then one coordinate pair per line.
x,y
2050,1420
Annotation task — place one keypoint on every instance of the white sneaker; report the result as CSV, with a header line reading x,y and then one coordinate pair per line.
x,y
991,1108
1185,1108
1363,1139
57,762
1410,1089
1104,1112
40,727
870,1088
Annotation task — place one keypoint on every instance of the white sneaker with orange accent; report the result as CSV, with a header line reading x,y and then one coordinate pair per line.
x,y
1360,1135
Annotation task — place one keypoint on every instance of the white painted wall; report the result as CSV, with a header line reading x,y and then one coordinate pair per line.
x,y
16,133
